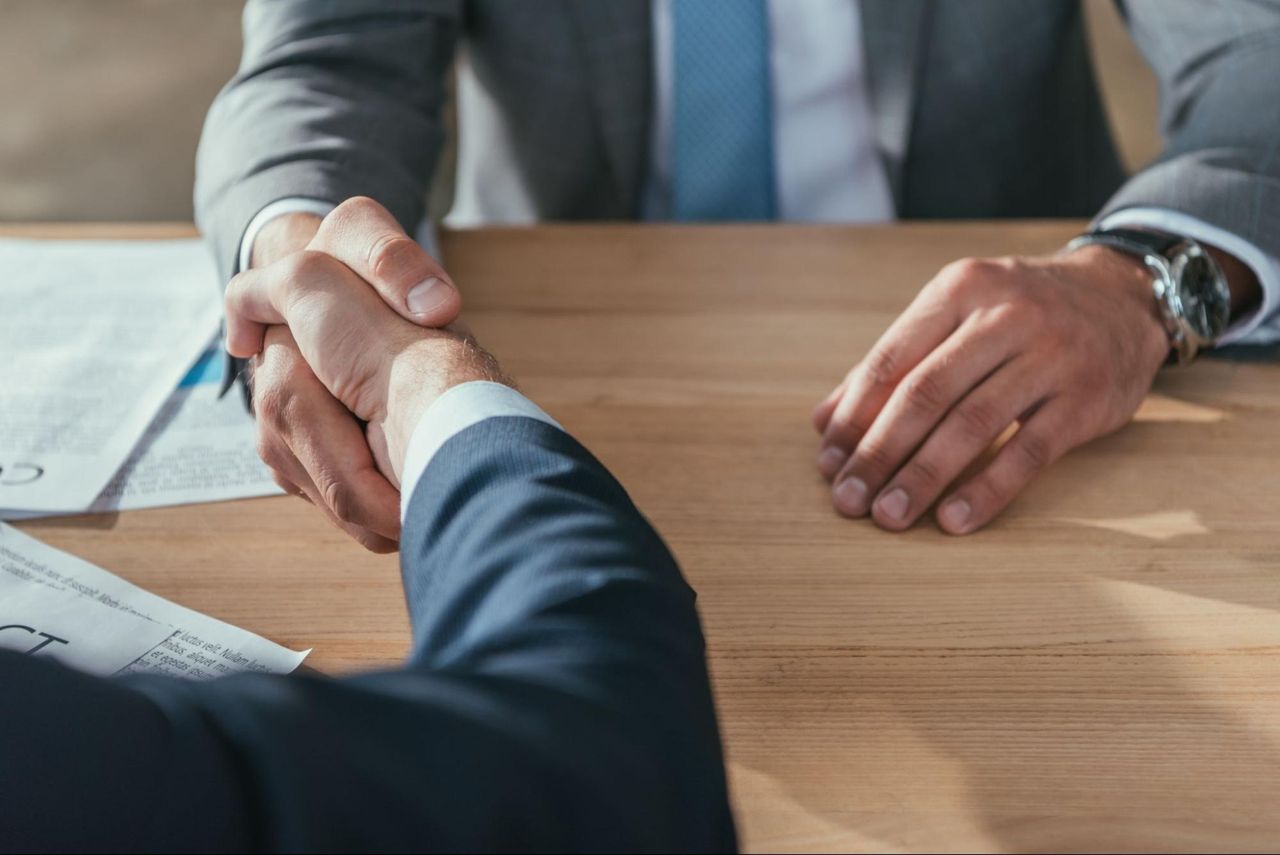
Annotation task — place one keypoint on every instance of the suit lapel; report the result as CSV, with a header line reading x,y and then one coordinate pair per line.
x,y
892,33
616,43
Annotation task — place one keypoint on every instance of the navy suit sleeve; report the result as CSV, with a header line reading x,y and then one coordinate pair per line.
x,y
556,698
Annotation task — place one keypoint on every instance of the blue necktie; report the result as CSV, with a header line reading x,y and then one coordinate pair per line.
x,y
722,138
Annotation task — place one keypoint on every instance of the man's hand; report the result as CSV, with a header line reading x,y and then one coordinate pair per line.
x,y
375,364
315,446
1065,346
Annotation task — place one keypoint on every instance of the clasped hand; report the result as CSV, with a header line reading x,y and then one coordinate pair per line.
x,y
345,362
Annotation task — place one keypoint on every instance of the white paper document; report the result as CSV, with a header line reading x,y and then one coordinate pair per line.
x,y
197,449
94,337
55,605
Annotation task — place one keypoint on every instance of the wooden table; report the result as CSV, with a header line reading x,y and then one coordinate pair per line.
x,y
1098,670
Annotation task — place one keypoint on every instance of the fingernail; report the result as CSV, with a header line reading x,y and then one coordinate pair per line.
x,y
851,497
831,460
427,295
894,504
954,515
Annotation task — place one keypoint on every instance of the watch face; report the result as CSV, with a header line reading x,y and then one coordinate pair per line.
x,y
1203,293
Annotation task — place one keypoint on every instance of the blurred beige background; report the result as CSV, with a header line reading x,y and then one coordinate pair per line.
x,y
101,101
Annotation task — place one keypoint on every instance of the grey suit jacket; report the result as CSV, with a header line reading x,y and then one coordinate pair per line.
x,y
982,108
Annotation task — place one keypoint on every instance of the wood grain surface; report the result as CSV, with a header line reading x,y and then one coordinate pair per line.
x,y
1099,670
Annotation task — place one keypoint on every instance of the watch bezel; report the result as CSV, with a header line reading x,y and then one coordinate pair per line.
x,y
1165,290
1214,293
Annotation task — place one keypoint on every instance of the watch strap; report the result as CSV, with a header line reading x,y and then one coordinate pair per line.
x,y
1143,244
1132,241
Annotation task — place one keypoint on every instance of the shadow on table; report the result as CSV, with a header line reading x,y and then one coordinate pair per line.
x,y
104,521
1108,736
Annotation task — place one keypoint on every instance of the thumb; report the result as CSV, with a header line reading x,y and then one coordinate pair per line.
x,y
365,237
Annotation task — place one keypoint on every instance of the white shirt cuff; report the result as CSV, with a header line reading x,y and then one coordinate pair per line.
x,y
1259,327
453,412
292,205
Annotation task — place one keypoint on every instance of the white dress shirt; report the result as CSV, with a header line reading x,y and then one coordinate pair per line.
x,y
818,79
818,75
449,415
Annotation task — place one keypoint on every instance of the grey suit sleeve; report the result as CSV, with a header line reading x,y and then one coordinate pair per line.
x,y
1219,67
333,99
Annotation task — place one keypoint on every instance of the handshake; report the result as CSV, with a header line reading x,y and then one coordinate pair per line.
x,y
352,334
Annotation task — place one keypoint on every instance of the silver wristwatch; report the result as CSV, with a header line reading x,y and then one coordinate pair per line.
x,y
1189,287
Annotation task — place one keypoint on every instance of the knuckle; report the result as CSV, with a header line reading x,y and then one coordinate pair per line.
x,y
954,288
962,268
874,457
925,391
390,257
293,273
354,208
1003,313
237,284
291,268
923,471
844,433
271,403
1005,264
980,420
339,499
968,268
965,276
305,266
270,452
881,366
1034,450
282,482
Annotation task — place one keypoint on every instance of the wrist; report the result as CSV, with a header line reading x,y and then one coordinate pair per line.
x,y
423,371
1129,278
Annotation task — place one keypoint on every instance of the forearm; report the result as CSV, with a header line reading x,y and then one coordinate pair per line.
x,y
557,698
1253,276
91,764
331,101
525,561
513,521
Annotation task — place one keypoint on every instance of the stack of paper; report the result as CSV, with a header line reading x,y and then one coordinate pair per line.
x,y
108,400
55,605
96,338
